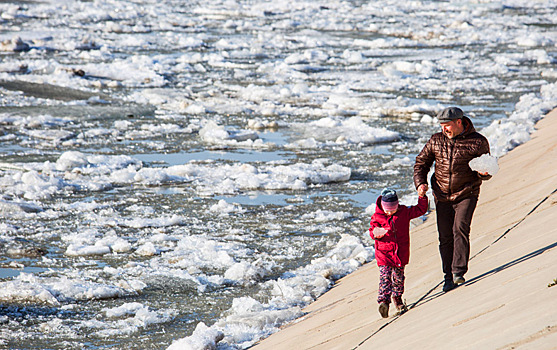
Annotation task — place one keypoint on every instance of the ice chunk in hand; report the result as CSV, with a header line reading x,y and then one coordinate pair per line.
x,y
485,164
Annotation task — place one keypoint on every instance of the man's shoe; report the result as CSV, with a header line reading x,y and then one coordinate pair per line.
x,y
449,285
384,309
459,279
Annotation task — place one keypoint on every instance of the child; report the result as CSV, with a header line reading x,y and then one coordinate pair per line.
x,y
390,228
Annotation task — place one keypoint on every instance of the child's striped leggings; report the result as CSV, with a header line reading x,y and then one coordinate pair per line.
x,y
391,283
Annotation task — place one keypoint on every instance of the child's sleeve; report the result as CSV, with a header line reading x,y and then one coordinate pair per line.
x,y
372,224
419,209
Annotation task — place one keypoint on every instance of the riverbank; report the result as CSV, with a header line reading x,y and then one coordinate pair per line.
x,y
509,298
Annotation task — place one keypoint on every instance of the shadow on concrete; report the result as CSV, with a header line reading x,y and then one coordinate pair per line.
x,y
511,263
430,295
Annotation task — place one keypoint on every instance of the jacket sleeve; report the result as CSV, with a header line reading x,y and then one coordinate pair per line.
x,y
424,161
373,224
419,209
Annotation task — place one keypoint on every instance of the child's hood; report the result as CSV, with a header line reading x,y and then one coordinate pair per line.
x,y
378,206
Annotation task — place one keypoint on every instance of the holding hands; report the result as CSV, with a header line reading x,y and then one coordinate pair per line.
x,y
422,190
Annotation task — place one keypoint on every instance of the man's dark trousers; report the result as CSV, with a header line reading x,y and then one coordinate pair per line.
x,y
453,226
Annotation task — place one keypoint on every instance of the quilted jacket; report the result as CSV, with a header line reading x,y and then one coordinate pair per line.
x,y
452,179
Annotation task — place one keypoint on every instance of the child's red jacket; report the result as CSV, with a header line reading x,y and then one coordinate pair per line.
x,y
393,249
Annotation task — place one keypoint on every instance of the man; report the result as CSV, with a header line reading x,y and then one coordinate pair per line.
x,y
455,187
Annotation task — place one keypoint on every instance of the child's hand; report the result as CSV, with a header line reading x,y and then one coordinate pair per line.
x,y
422,190
379,232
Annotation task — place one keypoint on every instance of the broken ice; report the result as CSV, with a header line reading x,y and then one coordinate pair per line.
x,y
485,164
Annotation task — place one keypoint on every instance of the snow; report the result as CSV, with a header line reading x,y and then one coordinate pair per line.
x,y
485,164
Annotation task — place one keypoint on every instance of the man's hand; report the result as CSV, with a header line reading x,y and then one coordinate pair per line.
x,y
422,190
379,232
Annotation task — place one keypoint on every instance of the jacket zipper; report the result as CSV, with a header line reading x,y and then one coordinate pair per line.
x,y
451,145
392,220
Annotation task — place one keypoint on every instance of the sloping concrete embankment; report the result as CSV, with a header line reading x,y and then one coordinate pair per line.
x,y
508,301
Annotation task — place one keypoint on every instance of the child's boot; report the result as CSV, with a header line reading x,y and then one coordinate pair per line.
x,y
384,309
400,306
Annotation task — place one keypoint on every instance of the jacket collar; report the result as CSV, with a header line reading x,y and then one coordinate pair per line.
x,y
468,129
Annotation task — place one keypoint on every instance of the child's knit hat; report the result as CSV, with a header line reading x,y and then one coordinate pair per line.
x,y
389,199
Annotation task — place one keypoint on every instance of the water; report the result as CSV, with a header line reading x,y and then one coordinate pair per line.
x,y
168,165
